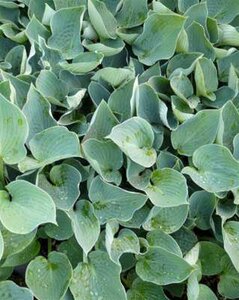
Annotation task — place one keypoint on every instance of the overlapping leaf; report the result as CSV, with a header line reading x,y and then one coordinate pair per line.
x,y
111,202
216,169
13,134
99,277
119,148
49,278
25,206
135,138
148,47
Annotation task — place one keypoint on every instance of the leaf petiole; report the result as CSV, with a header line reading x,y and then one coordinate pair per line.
x,y
2,179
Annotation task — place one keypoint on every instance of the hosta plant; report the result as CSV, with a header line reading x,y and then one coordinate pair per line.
x,y
119,149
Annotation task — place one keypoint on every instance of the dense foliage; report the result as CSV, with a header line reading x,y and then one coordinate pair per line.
x,y
119,149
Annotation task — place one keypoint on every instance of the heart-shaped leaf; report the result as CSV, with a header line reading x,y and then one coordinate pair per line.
x,y
135,138
167,188
24,206
111,202
46,147
105,157
158,238
49,278
210,256
10,291
217,170
168,219
99,277
62,185
197,41
126,242
229,279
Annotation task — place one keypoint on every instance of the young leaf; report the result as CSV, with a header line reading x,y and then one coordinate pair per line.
x,y
38,113
68,3
1,245
66,27
206,78
229,125
201,207
51,87
114,76
101,18
105,157
13,134
101,123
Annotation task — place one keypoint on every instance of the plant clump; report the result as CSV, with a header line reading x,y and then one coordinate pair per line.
x,y
119,149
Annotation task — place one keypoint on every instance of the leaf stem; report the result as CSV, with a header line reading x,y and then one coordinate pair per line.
x,y
49,245
85,258
2,179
